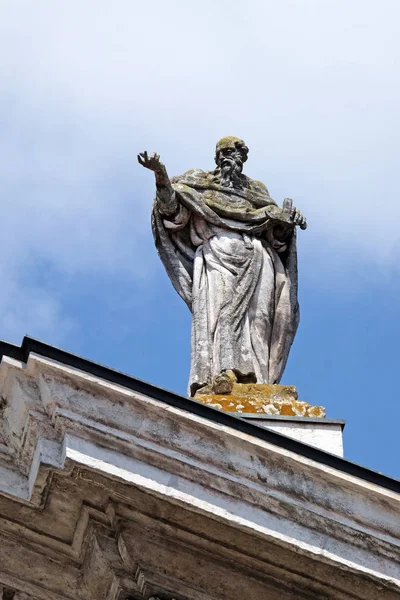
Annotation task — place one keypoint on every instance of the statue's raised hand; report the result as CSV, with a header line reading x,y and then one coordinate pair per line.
x,y
165,192
154,164
150,162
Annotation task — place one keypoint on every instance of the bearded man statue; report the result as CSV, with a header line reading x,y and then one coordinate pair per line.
x,y
230,253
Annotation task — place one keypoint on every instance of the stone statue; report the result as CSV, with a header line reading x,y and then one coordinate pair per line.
x,y
230,253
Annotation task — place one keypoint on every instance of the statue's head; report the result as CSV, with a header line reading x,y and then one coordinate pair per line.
x,y
230,154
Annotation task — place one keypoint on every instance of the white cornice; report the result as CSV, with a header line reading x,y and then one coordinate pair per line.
x,y
58,419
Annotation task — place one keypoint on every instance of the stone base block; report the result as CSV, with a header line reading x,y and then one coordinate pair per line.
x,y
267,399
325,434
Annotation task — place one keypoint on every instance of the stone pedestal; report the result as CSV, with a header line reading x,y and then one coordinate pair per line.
x,y
278,408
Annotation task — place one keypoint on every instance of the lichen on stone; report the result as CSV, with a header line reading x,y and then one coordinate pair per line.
x,y
269,399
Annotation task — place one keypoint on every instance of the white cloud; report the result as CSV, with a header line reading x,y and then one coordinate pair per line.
x,y
311,86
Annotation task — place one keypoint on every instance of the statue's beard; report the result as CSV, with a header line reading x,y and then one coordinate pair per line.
x,y
229,173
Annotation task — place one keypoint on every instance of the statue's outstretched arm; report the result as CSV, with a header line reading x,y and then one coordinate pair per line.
x,y
166,197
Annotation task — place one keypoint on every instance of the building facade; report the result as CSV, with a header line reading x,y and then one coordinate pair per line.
x,y
111,488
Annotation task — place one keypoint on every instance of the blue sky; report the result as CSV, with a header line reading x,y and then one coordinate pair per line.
x,y
313,89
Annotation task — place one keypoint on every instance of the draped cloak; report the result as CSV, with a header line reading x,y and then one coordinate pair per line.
x,y
235,265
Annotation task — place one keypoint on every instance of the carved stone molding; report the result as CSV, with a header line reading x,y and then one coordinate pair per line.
x,y
108,493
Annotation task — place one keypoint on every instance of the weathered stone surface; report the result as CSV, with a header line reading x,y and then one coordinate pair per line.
x,y
108,492
270,399
230,253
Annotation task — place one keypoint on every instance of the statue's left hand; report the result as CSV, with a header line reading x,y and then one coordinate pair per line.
x,y
296,216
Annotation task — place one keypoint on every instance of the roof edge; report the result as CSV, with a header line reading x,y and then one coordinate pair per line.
x,y
30,345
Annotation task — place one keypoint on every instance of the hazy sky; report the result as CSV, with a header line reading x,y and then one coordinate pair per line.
x,y
313,88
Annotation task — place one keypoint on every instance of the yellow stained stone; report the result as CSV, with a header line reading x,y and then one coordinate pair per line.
x,y
268,399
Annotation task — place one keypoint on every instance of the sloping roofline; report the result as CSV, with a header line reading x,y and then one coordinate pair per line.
x,y
30,345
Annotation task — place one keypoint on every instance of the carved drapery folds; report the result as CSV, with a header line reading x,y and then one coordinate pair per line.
x,y
161,597
7,593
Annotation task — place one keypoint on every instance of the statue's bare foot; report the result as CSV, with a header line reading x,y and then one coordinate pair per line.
x,y
223,383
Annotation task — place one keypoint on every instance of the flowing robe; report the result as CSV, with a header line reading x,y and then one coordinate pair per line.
x,y
235,265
